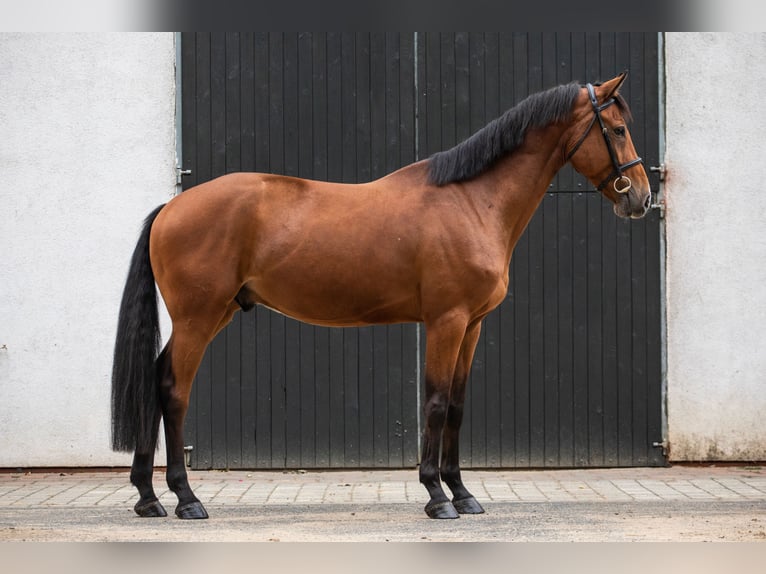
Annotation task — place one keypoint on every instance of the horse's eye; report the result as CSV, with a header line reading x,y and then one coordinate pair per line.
x,y
619,131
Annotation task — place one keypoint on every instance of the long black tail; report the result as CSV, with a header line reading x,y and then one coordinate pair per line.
x,y
135,392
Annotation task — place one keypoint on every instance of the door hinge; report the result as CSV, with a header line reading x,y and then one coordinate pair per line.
x,y
180,173
660,169
658,204
187,454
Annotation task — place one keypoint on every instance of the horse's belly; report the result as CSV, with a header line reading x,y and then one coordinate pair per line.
x,y
337,302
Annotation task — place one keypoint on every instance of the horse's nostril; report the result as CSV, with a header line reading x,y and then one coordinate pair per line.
x,y
648,202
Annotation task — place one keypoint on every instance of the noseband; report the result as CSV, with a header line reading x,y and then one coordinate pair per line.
x,y
618,168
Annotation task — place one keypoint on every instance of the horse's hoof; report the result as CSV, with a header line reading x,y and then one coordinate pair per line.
x,y
191,511
468,506
151,509
441,510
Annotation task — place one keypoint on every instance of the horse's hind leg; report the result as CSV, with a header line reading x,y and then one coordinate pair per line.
x,y
141,474
187,345
463,501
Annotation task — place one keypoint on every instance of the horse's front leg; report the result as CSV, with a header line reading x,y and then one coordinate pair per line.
x,y
444,338
463,501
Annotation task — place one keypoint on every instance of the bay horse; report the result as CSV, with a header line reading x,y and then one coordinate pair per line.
x,y
431,243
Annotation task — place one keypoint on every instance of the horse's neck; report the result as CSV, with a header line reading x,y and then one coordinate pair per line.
x,y
517,183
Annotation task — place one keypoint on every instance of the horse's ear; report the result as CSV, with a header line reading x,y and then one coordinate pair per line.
x,y
610,88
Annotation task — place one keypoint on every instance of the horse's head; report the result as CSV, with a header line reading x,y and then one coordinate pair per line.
x,y
605,155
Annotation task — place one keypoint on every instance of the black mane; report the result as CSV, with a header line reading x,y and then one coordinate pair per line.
x,y
502,135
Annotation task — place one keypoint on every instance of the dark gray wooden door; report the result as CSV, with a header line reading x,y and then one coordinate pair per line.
x,y
567,372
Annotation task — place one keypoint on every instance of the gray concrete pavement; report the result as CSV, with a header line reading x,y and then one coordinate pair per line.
x,y
683,503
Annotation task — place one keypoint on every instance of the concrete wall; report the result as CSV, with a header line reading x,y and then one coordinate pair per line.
x,y
716,246
87,150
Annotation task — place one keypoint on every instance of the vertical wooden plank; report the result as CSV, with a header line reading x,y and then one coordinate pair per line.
x,y
249,388
189,106
249,383
492,324
625,327
323,397
344,417
507,311
638,345
203,119
339,150
594,312
375,95
292,144
363,403
409,350
536,233
231,338
378,398
202,453
407,99
392,87
232,98
566,391
354,358
551,283
277,331
445,108
610,334
580,331
348,109
217,347
218,104
470,93
247,102
189,143
305,359
394,428
262,89
410,406
565,61
579,364
521,290
550,357
263,417
430,108
320,106
233,407
654,396
218,392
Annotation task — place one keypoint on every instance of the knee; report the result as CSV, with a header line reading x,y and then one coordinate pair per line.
x,y
436,407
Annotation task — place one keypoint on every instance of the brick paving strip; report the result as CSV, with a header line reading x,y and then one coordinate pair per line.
x,y
255,488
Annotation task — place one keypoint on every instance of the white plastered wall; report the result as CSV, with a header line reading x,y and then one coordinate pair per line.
x,y
87,150
716,246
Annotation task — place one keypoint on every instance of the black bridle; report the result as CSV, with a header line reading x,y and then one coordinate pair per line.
x,y
618,169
